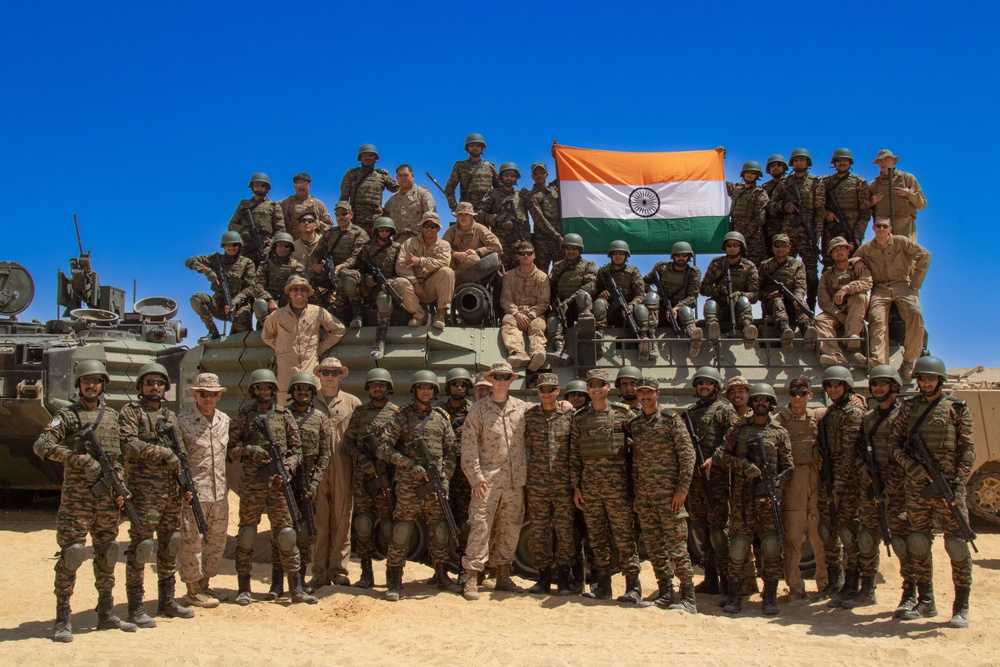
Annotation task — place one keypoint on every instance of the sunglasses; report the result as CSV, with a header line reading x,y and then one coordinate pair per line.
x,y
331,373
429,226
155,383
798,393
298,289
879,383
703,383
303,387
597,383
526,254
547,390
504,377
881,226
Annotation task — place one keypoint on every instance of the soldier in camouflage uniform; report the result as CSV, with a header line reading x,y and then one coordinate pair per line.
x,y
339,243
543,204
776,168
710,416
316,434
800,201
628,278
504,212
662,465
456,402
550,492
750,505
677,283
842,298
748,210
363,186
409,204
791,273
240,277
627,384
398,446
841,426
266,216
746,287
296,205
847,195
474,176
599,457
907,197
573,280
373,500
273,273
945,424
259,494
80,511
152,468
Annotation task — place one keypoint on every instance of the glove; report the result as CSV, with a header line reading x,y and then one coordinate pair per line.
x,y
959,491
418,471
606,295
752,472
313,489
444,485
88,465
257,454
367,467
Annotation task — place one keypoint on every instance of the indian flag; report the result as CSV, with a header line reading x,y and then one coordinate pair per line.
x,y
650,200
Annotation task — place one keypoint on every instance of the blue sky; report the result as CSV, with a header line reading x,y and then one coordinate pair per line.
x,y
147,120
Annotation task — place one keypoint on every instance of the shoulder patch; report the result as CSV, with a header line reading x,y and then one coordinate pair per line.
x,y
55,422
441,411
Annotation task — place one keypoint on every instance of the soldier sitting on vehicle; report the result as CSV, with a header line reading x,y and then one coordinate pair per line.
x,y
573,281
615,278
677,284
272,274
790,273
229,300
340,242
504,211
843,301
469,240
524,300
732,283
423,261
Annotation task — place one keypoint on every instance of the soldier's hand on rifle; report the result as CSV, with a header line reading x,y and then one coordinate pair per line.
x,y
479,490
188,496
604,295
120,502
419,472
88,464
707,465
169,459
370,282
578,499
790,207
336,269
773,295
225,310
319,268
257,454
752,471
959,491
677,502
831,217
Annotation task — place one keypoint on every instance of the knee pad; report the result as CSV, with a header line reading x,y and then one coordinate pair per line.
x,y
106,555
198,304
285,539
144,552
600,309
72,557
552,325
651,300
402,533
770,547
867,545
686,315
720,541
919,544
172,546
383,302
957,549
700,533
584,302
385,528
711,309
742,305
824,533
739,547
440,535
641,314
364,525
349,284
260,309
245,537
846,536
900,547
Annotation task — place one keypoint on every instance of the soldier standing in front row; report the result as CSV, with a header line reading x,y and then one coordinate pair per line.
x,y
80,511
746,286
800,200
240,276
257,219
152,476
677,283
945,424
474,176
662,465
259,494
748,211
456,402
363,186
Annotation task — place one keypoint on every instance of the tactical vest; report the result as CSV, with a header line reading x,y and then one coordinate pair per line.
x,y
475,181
457,415
366,189
743,203
802,432
340,245
740,273
571,278
509,214
278,275
107,431
382,258
433,435
784,272
622,278
846,193
674,283
235,268
600,436
880,438
253,436
373,419
309,434
265,215
937,429
745,449
835,427
701,417
548,201
807,187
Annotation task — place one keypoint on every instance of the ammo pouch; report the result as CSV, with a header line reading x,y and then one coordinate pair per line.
x,y
375,484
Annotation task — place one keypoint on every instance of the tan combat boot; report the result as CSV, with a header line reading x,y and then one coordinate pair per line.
x,y
471,591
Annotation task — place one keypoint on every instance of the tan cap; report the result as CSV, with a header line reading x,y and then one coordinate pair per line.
x,y
781,238
464,207
208,382
500,368
297,280
736,381
598,374
430,216
539,165
883,154
331,362
547,379
481,380
838,242
346,205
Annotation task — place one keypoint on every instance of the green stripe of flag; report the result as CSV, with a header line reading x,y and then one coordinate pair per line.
x,y
650,237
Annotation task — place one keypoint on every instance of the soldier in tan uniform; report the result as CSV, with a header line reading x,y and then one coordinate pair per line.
x,y
748,210
408,205
363,187
848,202
257,213
424,261
308,240
907,197
469,240
524,300
843,301
294,206
475,177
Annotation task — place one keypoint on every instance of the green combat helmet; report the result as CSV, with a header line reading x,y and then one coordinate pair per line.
x,y
930,366
259,177
842,153
474,138
709,373
751,165
573,241
424,377
619,246
734,236
378,375
763,389
457,374
885,372
682,248
510,166
264,376
779,158
148,369
576,386
231,237
303,378
367,148
627,372
838,374
801,152
90,367
384,222
282,237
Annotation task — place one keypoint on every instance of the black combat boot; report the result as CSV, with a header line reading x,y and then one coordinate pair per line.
x,y
835,575
769,598
563,584
367,579
664,596
578,578
558,346
213,331
504,582
63,631
600,587
355,315
295,589
277,588
306,588
925,607
734,602
444,580
393,582
960,608
544,584
687,601
864,597
723,588
633,590
167,605
908,600
847,591
106,619
136,612
243,596
710,584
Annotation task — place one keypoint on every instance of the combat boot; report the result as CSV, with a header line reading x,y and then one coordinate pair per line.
x,y
864,597
419,319
723,589
167,605
438,320
848,590
106,619
544,584
749,336
136,612
960,608
687,600
734,602
302,577
563,581
444,580
769,598
835,580
643,347
925,607
63,631
295,589
714,333
633,590
197,597
694,347
906,370
277,588
393,582
600,587
827,360
213,331
518,360
381,331
664,595
809,335
504,582
654,349
787,335
578,579
710,584
367,579
471,589
355,315
243,596
908,600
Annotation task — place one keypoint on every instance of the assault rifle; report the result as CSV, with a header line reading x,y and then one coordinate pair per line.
x,y
892,200
276,468
729,296
330,266
840,228
381,281
434,181
618,303
788,294
223,286
168,434
826,468
435,484
939,487
699,459
800,218
301,488
109,479
868,454
380,485
770,489
559,308
255,248
668,304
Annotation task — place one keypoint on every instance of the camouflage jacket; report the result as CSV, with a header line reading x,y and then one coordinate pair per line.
x,y
474,180
241,275
504,214
890,473
567,280
947,431
746,280
739,451
681,287
549,223
341,246
748,209
407,208
547,437
59,443
791,273
243,434
457,416
662,454
382,257
150,464
785,202
597,440
711,419
294,208
628,279
362,186
316,436
853,195
272,274
842,425
366,420
397,446
268,218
